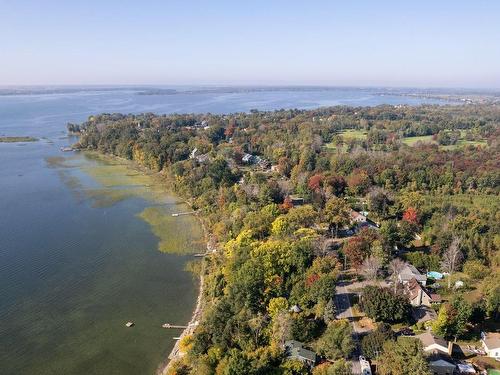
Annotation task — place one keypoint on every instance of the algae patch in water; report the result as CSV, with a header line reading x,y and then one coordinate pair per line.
x,y
175,234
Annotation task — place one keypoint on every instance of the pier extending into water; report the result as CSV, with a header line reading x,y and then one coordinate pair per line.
x,y
183,213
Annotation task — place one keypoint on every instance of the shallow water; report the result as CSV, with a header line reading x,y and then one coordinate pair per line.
x,y
86,245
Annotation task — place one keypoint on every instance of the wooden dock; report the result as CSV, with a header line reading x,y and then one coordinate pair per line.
x,y
183,213
168,325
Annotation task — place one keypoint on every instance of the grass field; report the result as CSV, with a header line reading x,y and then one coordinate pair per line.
x,y
346,135
410,141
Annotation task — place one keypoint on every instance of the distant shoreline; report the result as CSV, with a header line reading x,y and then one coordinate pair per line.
x,y
17,139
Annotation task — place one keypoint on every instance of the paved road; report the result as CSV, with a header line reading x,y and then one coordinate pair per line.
x,y
344,311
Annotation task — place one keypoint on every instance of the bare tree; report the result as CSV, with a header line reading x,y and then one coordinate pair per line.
x,y
281,328
370,267
452,258
396,266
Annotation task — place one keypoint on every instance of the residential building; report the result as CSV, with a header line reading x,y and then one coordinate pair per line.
x,y
491,343
435,345
441,365
419,295
357,217
295,350
409,272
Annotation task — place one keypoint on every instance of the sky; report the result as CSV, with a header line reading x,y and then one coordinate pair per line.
x,y
275,42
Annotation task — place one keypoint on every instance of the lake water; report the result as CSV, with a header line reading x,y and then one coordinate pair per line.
x,y
79,256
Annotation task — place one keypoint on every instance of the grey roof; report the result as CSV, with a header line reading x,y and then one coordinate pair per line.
x,y
492,340
295,349
429,339
410,272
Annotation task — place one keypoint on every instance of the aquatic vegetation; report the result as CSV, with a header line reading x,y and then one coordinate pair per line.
x,y
17,139
176,234
107,181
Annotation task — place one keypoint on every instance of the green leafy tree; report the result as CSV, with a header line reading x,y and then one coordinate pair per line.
x,y
372,344
402,357
337,340
453,318
381,304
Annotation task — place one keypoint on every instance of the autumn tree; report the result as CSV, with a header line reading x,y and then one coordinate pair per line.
x,y
337,214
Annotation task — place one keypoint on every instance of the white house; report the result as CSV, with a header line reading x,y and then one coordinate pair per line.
x,y
491,343
433,344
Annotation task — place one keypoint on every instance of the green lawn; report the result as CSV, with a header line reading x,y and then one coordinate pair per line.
x,y
346,135
353,134
463,143
410,141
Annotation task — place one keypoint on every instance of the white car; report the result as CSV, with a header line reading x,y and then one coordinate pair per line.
x,y
365,366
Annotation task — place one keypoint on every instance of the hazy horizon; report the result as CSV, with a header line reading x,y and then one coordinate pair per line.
x,y
450,44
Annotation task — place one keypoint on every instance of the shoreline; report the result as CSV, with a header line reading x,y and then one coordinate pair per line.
x,y
175,353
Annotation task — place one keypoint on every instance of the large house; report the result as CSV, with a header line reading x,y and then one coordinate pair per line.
x,y
410,272
491,343
419,295
295,350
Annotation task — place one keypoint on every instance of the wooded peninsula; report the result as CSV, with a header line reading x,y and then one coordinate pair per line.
x,y
337,231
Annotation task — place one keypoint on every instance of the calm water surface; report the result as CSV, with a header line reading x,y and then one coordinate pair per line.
x,y
77,259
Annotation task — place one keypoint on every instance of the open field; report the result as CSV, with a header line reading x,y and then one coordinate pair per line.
x,y
411,141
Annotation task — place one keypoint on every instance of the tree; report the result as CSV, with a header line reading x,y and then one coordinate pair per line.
x,y
381,304
329,311
402,358
358,181
372,344
281,327
337,213
293,367
491,295
396,266
356,249
410,215
277,305
370,267
453,318
452,258
389,233
337,340
339,367
475,269
380,201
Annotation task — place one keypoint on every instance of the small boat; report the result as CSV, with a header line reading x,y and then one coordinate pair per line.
x,y
129,324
